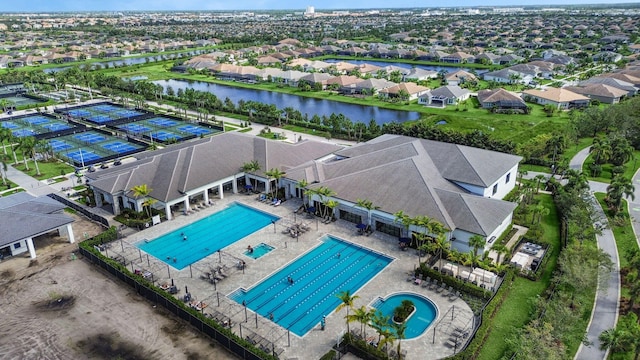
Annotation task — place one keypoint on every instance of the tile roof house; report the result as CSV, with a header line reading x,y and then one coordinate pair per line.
x,y
603,93
611,81
412,90
500,99
561,98
443,96
23,218
459,77
456,185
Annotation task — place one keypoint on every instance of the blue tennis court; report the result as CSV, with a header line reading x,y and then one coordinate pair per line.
x,y
79,113
23,132
99,118
317,277
162,122
37,120
164,135
10,125
90,137
59,145
134,128
128,113
56,127
196,130
119,147
82,156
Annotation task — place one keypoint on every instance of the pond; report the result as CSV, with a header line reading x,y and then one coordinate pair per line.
x,y
309,106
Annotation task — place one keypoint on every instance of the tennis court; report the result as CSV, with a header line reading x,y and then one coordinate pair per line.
x,y
165,129
101,113
91,147
33,125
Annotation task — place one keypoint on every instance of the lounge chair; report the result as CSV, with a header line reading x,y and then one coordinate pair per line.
x,y
274,201
426,282
411,278
434,285
277,203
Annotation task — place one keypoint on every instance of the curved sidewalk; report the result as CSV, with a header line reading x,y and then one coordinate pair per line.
x,y
605,308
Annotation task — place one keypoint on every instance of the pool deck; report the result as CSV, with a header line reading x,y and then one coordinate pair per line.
x,y
451,314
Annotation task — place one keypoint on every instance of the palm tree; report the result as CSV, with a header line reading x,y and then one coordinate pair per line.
x,y
325,193
274,174
3,171
619,187
379,322
500,249
347,303
251,167
477,242
400,329
363,316
27,144
5,135
143,191
539,178
302,185
367,205
330,205
404,219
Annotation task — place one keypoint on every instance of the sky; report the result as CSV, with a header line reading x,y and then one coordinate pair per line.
x,y
168,5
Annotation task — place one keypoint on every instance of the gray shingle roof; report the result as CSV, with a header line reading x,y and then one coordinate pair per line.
x,y
23,216
187,166
417,176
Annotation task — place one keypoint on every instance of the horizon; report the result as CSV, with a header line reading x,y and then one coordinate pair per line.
x,y
47,6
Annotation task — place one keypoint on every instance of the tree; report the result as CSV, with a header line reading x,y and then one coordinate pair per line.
x,y
625,337
477,242
27,144
367,205
251,167
302,185
404,219
143,191
400,329
3,171
363,316
347,303
274,174
325,193
619,187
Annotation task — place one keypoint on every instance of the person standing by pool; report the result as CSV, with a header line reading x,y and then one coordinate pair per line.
x,y
250,249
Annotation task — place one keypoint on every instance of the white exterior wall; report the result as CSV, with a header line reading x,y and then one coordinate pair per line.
x,y
20,250
462,237
504,186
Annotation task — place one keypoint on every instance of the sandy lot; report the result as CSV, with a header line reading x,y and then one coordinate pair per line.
x,y
59,308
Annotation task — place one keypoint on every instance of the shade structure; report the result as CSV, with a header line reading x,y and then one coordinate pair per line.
x,y
405,240
361,226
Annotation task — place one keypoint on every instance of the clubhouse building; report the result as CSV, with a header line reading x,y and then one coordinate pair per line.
x,y
459,186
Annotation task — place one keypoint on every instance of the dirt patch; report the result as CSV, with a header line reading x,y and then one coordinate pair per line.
x,y
56,304
110,346
63,308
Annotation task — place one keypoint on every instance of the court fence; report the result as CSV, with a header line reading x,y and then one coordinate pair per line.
x,y
94,217
225,337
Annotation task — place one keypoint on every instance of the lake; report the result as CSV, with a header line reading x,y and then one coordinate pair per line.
x,y
405,65
310,106
130,61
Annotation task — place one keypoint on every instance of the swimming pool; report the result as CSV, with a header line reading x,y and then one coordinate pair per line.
x,y
191,243
417,323
259,250
318,276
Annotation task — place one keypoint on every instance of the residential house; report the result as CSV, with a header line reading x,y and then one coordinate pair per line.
x,y
501,99
410,89
459,77
343,83
603,93
458,57
487,58
369,86
632,79
443,96
268,61
611,81
607,57
507,76
316,78
343,67
418,74
560,98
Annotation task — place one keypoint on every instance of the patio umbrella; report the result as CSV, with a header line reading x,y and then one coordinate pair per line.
x,y
405,240
311,209
248,186
361,226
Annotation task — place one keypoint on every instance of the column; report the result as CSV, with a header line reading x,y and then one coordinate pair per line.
x,y
205,196
32,249
187,206
167,211
72,238
221,191
234,185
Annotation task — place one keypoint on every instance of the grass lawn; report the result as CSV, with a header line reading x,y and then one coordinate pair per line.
x,y
516,311
630,168
47,169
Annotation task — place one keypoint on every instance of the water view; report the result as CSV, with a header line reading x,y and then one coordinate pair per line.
x,y
405,65
130,61
310,106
